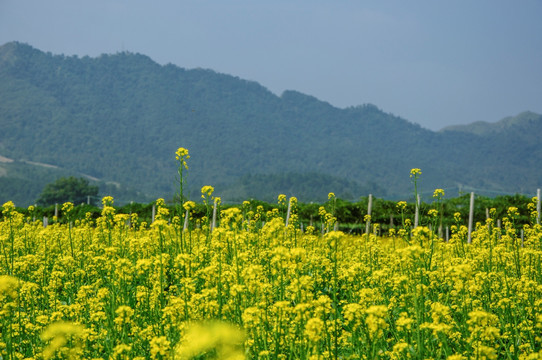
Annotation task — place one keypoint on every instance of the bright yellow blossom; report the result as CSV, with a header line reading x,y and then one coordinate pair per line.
x,y
415,172
207,190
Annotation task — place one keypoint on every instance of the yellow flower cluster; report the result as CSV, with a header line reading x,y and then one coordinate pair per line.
x,y
415,172
207,191
438,193
182,155
253,287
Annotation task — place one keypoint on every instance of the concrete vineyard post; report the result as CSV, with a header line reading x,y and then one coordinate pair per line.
x,y
213,224
369,210
417,213
471,216
153,212
288,212
487,217
185,226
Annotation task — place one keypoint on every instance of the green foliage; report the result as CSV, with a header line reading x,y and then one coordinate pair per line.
x,y
119,118
349,214
16,190
75,190
22,182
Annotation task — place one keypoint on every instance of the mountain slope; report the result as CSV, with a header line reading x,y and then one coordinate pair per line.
x,y
120,118
524,121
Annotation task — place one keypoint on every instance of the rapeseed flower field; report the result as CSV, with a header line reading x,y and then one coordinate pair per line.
x,y
254,285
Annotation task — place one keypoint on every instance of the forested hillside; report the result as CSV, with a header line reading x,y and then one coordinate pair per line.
x,y
119,118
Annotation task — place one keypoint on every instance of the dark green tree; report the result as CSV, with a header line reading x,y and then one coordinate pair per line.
x,y
75,190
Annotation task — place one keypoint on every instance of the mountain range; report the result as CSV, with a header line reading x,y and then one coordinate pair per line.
x,y
118,119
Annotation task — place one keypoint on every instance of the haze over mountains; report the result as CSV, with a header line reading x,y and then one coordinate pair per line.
x,y
118,120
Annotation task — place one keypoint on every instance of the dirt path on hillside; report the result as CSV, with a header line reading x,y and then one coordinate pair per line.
x,y
4,159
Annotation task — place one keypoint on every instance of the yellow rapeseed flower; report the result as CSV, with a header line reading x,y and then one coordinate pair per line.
x,y
222,339
322,211
160,346
207,190
314,329
399,350
432,213
107,200
415,172
7,208
438,193
457,217
182,153
59,335
8,286
401,205
375,320
67,207
189,205
513,212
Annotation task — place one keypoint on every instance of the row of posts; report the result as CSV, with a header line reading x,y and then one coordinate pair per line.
x,y
369,213
471,215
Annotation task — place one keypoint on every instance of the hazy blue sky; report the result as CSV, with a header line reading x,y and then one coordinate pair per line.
x,y
436,63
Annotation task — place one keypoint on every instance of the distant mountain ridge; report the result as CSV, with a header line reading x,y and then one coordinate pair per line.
x,y
524,120
119,118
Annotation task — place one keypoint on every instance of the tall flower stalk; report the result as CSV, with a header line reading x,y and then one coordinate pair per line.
x,y
438,194
415,175
67,210
181,155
